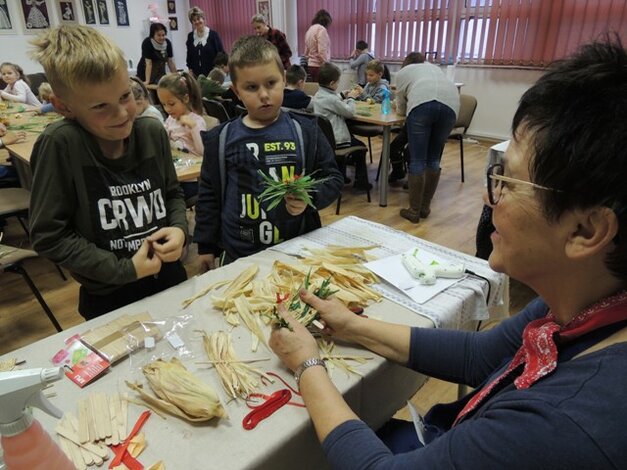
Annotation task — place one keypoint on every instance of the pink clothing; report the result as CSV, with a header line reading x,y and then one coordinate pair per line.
x,y
20,92
317,45
184,137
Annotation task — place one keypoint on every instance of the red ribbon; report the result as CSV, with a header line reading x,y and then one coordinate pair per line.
x,y
120,451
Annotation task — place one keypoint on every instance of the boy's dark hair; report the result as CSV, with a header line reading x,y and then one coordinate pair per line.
x,y
361,45
413,58
221,59
574,119
249,51
154,27
323,18
375,66
328,73
295,74
181,84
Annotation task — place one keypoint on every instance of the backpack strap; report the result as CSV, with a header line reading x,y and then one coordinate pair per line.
x,y
222,158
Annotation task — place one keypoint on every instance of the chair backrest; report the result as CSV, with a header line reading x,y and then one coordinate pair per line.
x,y
311,88
35,80
216,109
327,129
386,73
467,107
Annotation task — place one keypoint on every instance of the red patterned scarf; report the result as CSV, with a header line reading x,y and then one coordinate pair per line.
x,y
538,352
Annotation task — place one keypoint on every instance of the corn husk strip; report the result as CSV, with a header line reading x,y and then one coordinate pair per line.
x,y
205,291
157,466
238,379
250,320
241,281
339,361
179,392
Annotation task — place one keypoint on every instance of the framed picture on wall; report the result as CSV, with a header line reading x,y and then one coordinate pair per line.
x,y
121,12
264,7
103,12
171,7
36,15
67,11
173,23
7,18
89,11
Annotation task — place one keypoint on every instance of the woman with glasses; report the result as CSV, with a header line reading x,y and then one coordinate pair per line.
x,y
549,383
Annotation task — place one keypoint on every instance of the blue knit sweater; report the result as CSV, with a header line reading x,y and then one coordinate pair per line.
x,y
572,419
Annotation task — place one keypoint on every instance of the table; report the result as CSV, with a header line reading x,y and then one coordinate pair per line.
x,y
371,114
287,436
187,166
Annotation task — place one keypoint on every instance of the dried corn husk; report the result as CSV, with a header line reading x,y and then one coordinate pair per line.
x,y
179,392
327,348
238,379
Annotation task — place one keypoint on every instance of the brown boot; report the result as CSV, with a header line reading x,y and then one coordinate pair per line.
x,y
432,179
416,190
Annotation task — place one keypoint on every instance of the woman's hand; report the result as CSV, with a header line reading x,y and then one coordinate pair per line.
x,y
336,317
167,243
293,347
294,205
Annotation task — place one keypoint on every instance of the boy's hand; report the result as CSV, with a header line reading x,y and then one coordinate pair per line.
x,y
207,262
145,262
354,93
13,137
187,121
167,243
294,205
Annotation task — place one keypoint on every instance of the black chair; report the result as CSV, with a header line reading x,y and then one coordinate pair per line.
x,y
467,107
342,154
36,79
216,109
11,261
363,129
14,202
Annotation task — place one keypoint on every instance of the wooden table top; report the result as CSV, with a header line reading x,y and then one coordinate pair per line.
x,y
371,113
187,165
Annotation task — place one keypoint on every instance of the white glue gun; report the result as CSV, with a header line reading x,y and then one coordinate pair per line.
x,y
427,273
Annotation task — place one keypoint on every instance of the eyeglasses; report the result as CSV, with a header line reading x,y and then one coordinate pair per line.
x,y
495,179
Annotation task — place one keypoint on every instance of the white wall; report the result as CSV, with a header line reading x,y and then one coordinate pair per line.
x,y
14,48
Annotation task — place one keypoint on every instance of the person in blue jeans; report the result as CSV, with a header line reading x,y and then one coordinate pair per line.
x,y
431,103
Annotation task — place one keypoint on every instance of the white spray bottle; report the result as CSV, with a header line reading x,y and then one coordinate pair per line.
x,y
27,446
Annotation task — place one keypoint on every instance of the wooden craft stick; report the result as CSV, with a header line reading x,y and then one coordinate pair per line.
x,y
72,453
83,423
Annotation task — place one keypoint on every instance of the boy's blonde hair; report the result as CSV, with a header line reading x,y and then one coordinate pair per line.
x,y
45,91
375,66
249,51
74,55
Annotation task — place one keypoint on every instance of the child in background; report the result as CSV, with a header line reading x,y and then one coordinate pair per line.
x,y
221,62
180,97
105,201
330,104
376,86
211,86
230,220
17,88
293,96
359,59
142,99
45,92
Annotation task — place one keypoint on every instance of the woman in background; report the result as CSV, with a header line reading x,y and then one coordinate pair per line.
x,y
156,53
317,43
202,44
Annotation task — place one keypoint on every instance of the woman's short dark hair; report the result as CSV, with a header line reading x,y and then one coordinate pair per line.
x,y
361,45
155,27
574,118
323,18
413,58
328,73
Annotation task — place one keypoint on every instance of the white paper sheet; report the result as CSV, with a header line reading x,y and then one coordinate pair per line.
x,y
392,270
